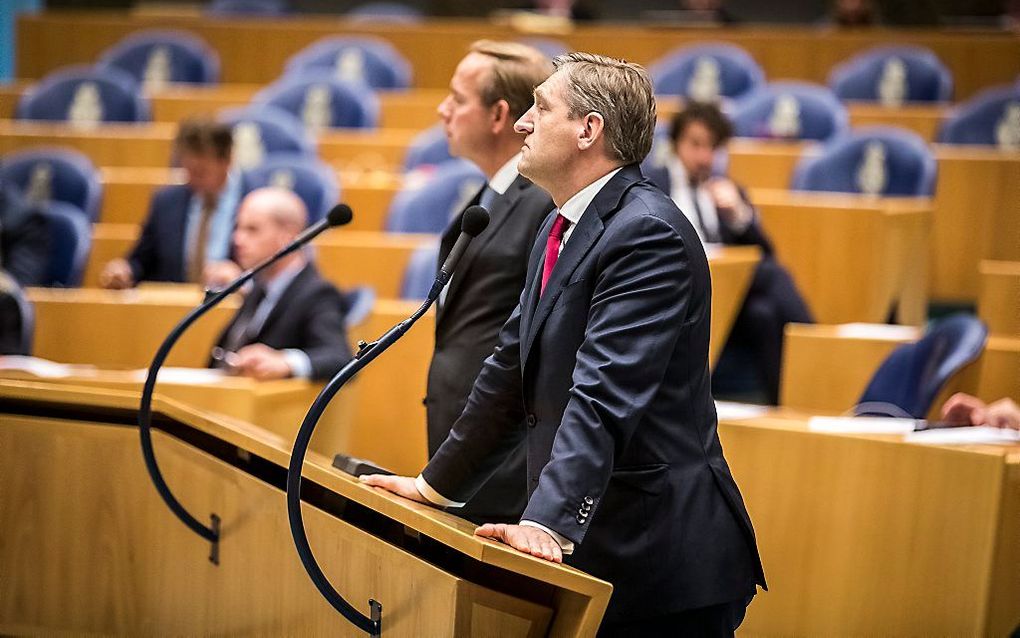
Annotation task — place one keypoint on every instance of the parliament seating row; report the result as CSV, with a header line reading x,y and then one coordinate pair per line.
x,y
54,39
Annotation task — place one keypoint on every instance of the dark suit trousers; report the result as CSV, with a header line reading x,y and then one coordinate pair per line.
x,y
772,302
714,621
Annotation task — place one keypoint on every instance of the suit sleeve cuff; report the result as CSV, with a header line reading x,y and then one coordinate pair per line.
x,y
566,545
300,364
433,496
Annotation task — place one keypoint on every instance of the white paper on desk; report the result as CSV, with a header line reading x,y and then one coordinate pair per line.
x,y
877,331
194,376
860,425
42,368
732,411
982,435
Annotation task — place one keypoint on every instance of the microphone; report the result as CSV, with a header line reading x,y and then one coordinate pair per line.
x,y
339,215
473,222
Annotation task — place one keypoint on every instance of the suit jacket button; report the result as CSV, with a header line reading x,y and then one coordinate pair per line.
x,y
581,519
586,508
532,420
588,500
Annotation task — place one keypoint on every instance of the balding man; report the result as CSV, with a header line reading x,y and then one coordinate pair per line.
x,y
291,323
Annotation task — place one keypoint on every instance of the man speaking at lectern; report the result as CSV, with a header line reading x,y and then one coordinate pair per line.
x,y
606,362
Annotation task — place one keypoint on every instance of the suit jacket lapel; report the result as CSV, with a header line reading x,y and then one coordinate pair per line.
x,y
498,215
285,299
589,228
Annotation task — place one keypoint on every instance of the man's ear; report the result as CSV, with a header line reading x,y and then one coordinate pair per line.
x,y
592,127
500,113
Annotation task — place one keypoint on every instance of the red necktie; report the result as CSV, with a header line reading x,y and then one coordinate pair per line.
x,y
552,248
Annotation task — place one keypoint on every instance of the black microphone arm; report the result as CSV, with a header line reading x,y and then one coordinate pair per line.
x,y
474,221
340,214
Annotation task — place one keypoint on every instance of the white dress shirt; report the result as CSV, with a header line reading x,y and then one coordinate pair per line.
x,y
573,209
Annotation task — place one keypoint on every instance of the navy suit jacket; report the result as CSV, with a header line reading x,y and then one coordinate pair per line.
x,y
159,253
608,371
308,316
482,294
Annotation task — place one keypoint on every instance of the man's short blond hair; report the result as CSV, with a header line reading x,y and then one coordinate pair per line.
x,y
619,91
516,70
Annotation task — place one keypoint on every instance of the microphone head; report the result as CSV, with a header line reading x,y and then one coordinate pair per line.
x,y
339,215
475,219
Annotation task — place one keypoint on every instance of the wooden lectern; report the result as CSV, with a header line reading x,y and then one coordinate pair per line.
x,y
88,546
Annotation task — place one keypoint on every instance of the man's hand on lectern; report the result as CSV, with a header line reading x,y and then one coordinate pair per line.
x,y
524,538
399,485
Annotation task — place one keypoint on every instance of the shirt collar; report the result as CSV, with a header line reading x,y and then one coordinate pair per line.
x,y
574,207
505,176
279,283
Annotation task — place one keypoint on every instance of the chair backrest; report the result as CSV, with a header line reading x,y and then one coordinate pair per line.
x,y
885,161
10,288
707,72
42,175
910,378
366,60
358,304
549,47
156,57
84,96
428,148
310,179
420,272
893,75
321,101
428,205
70,242
991,118
790,110
260,131
256,8
392,12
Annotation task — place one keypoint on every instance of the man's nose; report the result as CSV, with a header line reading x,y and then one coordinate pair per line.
x,y
524,125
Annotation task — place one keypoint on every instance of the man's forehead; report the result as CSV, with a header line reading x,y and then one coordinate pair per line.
x,y
551,88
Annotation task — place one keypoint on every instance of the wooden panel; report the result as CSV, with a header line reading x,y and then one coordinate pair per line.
x,y
1000,369
48,41
875,248
867,537
999,301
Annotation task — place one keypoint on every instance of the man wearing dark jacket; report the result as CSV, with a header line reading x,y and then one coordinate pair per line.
x,y
490,89
291,323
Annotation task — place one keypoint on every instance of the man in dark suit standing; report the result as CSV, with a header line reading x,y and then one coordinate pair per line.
x,y
186,236
491,88
722,213
606,360
291,323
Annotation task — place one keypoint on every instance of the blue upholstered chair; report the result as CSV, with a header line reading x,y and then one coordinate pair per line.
x,y
909,379
428,148
321,101
893,75
358,304
372,61
707,72
260,131
420,272
23,345
428,207
990,118
790,110
883,161
310,179
188,59
251,8
84,94
70,242
54,174
391,12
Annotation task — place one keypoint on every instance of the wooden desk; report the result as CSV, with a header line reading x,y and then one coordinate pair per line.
x,y
874,248
79,516
826,368
975,214
869,536
999,301
52,39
